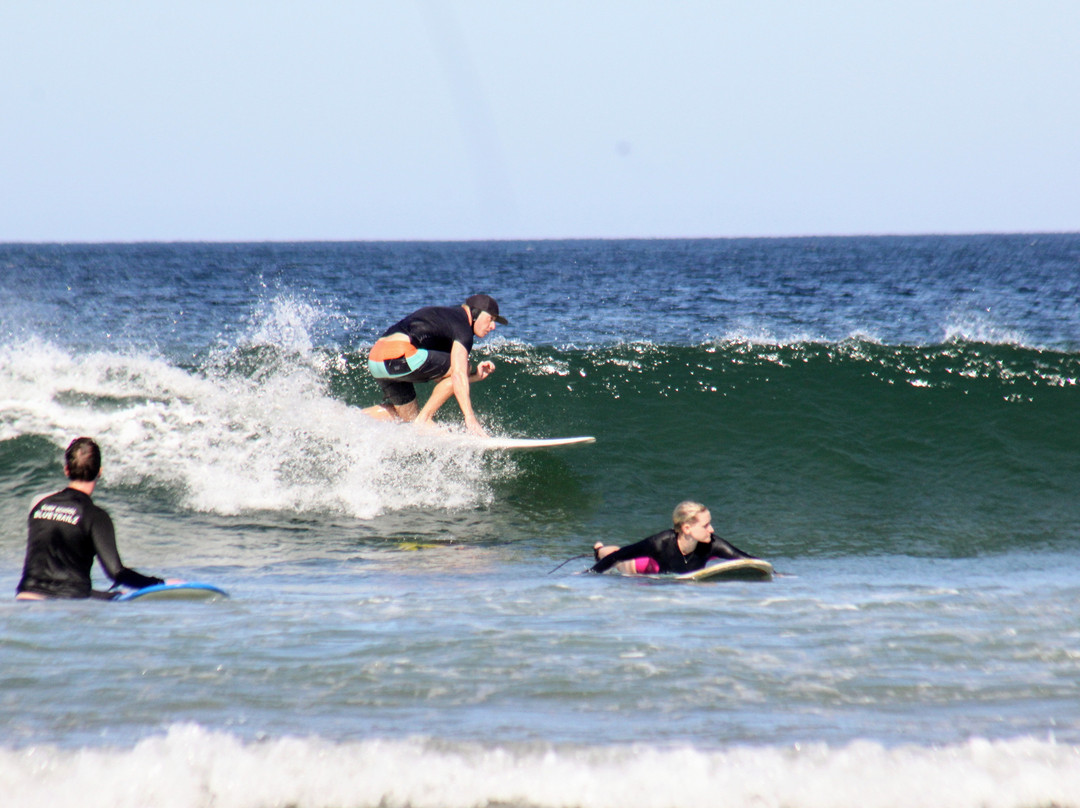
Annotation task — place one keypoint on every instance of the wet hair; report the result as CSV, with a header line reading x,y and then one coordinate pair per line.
x,y
686,511
83,460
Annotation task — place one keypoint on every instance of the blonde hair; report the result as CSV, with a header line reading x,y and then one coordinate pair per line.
x,y
685,512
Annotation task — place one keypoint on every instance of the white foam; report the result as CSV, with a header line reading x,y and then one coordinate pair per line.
x,y
191,767
229,442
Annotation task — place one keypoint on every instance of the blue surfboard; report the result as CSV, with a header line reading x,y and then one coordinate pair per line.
x,y
186,590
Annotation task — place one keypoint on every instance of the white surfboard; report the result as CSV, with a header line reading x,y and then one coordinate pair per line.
x,y
514,444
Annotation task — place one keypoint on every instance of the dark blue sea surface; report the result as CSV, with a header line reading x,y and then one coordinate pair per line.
x,y
894,422
896,290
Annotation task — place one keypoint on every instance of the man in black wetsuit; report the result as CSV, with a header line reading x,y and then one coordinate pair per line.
x,y
66,531
432,344
688,547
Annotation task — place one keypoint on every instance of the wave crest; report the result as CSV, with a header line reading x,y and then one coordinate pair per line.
x,y
253,429
190,767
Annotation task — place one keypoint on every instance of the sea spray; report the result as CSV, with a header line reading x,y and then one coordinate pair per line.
x,y
251,429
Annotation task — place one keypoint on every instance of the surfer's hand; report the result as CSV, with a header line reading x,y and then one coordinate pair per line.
x,y
483,370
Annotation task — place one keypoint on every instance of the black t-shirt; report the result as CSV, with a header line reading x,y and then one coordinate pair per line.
x,y
436,328
65,531
663,548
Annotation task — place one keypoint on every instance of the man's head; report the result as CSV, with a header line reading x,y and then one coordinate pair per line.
x,y
82,460
480,303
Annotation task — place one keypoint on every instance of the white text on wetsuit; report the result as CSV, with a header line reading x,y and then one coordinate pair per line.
x,y
58,513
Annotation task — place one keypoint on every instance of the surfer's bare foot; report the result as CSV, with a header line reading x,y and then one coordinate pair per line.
x,y
431,428
379,413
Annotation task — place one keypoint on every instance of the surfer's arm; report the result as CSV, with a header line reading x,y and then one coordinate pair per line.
x,y
136,580
722,548
455,383
104,538
459,377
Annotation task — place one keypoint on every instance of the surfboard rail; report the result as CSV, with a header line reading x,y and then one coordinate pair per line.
x,y
515,444
177,590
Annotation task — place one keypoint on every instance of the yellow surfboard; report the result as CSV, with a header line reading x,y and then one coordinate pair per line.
x,y
736,569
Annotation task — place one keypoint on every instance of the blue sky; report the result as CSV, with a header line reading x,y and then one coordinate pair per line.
x,y
433,119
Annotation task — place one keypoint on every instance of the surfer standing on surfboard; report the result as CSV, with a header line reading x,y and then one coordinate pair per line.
x,y
688,547
432,345
66,531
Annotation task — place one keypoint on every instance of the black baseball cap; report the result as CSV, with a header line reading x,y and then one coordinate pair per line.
x,y
486,303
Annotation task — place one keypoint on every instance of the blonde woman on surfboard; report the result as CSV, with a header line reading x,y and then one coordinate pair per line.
x,y
687,547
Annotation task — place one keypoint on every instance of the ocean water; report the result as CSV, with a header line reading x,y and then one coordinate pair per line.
x,y
893,422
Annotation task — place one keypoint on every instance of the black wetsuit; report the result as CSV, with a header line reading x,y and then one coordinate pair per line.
x,y
663,548
66,531
435,328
